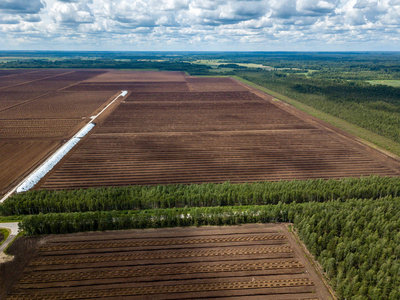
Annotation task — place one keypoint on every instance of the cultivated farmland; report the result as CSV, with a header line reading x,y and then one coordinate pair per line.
x,y
194,130
247,261
37,114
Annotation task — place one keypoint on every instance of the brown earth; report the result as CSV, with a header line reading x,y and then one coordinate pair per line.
x,y
258,260
170,129
18,156
10,73
132,86
192,96
28,77
138,76
221,130
60,105
217,84
37,115
21,252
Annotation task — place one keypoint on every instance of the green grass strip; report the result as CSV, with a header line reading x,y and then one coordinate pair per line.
x,y
5,232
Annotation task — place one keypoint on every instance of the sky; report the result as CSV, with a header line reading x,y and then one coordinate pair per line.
x,y
200,25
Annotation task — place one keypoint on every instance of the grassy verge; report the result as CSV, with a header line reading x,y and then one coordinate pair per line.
x,y
8,219
9,245
4,233
370,138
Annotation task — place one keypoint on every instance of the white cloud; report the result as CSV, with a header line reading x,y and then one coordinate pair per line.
x,y
201,24
71,13
21,6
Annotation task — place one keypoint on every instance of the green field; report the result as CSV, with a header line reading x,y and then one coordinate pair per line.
x,y
394,83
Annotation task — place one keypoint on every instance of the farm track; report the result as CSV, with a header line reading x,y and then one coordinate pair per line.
x,y
148,268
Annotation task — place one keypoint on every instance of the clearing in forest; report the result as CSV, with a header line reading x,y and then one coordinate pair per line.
x,y
250,261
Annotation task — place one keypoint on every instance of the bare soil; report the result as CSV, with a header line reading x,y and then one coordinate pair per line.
x,y
37,115
131,86
18,156
217,84
175,263
60,105
220,130
21,252
138,76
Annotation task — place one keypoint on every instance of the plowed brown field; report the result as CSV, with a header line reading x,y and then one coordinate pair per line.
x,y
244,261
219,130
37,115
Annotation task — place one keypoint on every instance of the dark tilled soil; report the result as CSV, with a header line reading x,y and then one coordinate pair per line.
x,y
37,115
23,250
218,131
174,263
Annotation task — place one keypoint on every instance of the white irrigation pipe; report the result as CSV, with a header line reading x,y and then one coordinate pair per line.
x,y
123,94
45,168
49,164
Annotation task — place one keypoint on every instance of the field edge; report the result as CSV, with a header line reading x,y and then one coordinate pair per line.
x,y
368,138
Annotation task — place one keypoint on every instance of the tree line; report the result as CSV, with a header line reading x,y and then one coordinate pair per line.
x,y
198,195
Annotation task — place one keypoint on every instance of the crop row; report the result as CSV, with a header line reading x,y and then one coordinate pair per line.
x,y
44,277
167,289
42,261
131,86
78,246
193,96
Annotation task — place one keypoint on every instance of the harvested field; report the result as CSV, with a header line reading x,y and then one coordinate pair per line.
x,y
198,117
37,128
26,77
17,156
245,156
172,137
10,98
37,115
242,261
213,84
60,105
13,72
138,76
132,86
192,96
